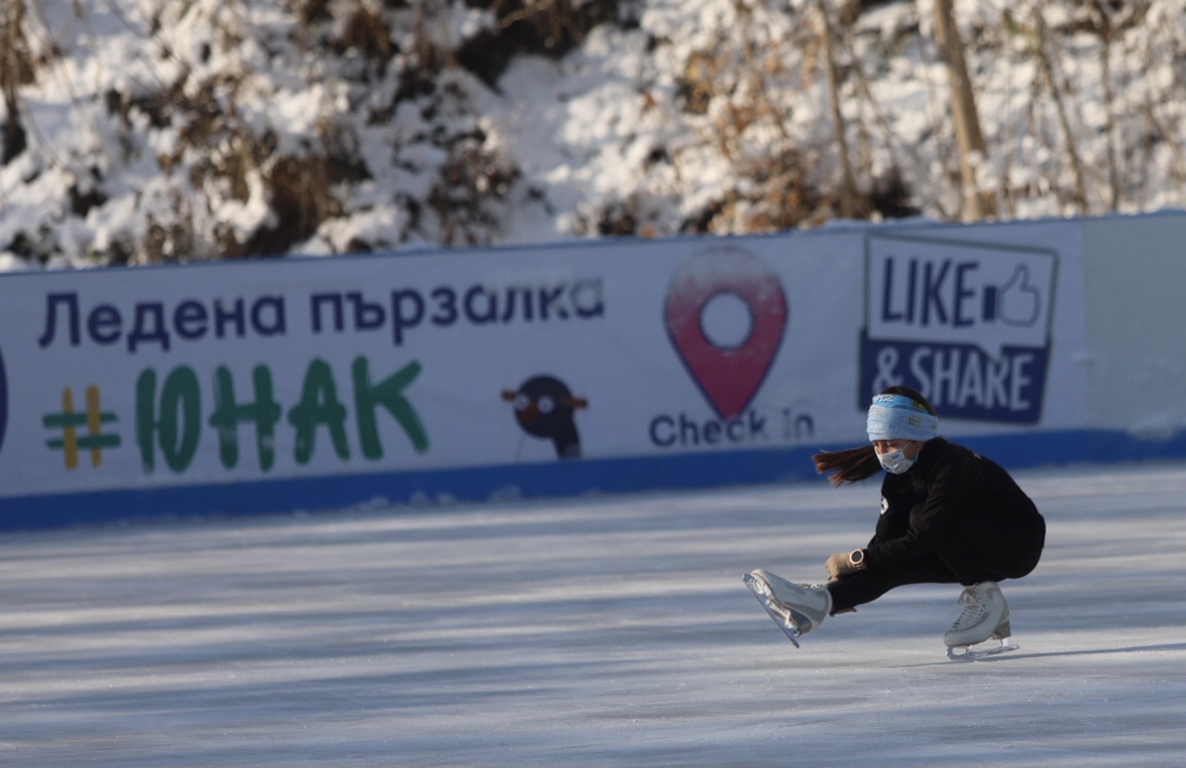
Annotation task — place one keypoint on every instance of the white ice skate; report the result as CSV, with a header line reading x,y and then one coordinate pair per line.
x,y
985,617
795,608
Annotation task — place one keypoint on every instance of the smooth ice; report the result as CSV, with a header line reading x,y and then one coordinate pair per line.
x,y
601,631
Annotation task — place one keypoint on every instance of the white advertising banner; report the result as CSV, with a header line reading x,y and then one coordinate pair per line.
x,y
231,372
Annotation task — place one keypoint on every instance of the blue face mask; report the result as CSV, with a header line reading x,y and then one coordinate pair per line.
x,y
895,462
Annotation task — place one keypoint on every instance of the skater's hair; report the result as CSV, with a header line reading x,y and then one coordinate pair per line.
x,y
856,464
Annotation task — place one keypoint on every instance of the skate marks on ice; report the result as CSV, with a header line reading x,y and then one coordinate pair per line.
x,y
1164,648
590,632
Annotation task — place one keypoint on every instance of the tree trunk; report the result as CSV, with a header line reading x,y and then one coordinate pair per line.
x,y
1105,34
11,21
1079,193
968,137
849,205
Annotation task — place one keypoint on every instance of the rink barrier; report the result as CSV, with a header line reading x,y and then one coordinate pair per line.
x,y
451,488
1056,341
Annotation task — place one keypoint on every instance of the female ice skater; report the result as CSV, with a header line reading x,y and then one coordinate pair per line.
x,y
948,515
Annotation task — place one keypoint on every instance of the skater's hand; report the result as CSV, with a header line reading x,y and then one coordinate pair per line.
x,y
840,565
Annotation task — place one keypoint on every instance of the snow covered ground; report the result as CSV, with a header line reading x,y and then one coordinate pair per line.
x,y
606,631
180,130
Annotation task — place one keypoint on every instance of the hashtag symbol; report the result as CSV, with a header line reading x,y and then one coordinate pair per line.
x,y
70,422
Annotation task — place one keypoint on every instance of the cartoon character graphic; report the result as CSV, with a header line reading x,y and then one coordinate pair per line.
x,y
544,408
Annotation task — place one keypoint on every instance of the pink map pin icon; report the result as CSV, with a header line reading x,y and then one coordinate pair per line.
x,y
729,375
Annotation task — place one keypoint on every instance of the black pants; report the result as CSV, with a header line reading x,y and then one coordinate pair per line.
x,y
866,586
958,561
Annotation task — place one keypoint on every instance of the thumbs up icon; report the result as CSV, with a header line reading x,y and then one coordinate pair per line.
x,y
1016,303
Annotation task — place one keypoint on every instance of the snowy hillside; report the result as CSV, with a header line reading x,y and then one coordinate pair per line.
x,y
138,131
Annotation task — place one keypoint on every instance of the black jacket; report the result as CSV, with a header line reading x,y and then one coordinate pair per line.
x,y
961,507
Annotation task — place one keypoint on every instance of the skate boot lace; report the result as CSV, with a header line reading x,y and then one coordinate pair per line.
x,y
973,613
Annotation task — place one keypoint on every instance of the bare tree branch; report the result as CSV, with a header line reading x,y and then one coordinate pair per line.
x,y
849,204
969,139
1041,36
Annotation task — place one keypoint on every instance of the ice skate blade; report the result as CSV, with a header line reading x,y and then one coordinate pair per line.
x,y
762,592
971,652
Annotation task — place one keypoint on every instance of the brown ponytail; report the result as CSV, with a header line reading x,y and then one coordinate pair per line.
x,y
847,466
856,464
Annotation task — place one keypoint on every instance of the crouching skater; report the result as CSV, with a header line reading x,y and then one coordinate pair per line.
x,y
948,516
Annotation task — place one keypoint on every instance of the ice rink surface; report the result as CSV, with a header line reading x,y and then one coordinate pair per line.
x,y
595,632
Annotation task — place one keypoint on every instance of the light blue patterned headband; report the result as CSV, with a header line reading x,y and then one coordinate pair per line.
x,y
897,417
